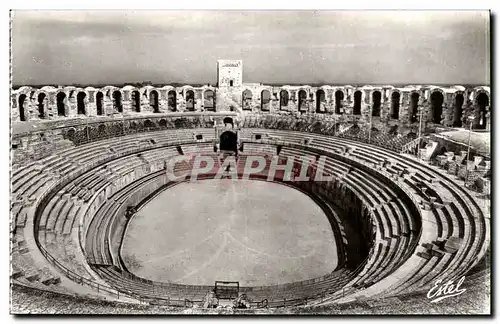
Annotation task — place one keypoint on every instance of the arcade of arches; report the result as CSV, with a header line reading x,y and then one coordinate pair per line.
x,y
439,106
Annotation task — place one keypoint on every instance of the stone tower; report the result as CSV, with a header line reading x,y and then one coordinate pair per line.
x,y
230,83
230,73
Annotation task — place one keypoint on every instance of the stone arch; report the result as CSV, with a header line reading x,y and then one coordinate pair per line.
x,y
357,102
302,98
320,99
135,97
209,100
99,98
413,109
153,101
80,103
376,103
117,101
172,100
148,124
395,102
284,98
21,100
482,101
163,123
458,109
265,98
41,104
339,97
190,100
246,99
61,105
437,100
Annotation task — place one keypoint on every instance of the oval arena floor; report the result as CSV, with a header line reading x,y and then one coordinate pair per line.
x,y
258,233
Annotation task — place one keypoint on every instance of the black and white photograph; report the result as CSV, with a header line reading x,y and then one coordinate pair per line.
x,y
250,162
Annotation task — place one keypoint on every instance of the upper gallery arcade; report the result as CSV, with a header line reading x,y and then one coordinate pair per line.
x,y
448,106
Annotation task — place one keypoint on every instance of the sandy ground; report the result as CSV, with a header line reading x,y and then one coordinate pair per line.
x,y
254,232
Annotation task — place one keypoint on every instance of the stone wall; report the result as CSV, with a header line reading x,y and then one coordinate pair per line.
x,y
28,103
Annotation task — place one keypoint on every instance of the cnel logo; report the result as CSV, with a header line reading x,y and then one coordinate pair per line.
x,y
440,292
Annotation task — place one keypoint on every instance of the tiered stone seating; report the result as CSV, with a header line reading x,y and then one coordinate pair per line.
x,y
457,215
400,162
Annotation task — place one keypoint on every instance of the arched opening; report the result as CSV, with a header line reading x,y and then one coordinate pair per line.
x,y
163,123
153,101
246,100
483,102
395,97
209,100
21,99
172,100
228,120
117,101
458,111
414,98
148,124
41,105
190,100
61,107
136,100
437,100
302,100
265,98
376,103
99,97
228,141
357,103
320,101
80,103
339,96
284,97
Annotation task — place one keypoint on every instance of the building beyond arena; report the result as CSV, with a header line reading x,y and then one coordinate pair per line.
x,y
408,203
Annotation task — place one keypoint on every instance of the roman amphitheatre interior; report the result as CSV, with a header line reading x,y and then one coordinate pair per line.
x,y
249,198
95,216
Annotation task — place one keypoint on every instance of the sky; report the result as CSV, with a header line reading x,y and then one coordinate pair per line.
x,y
277,47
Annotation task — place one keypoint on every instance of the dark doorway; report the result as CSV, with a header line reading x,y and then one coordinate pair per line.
x,y
228,120
264,100
172,100
21,99
41,105
339,96
377,99
61,107
483,102
320,101
190,100
395,97
284,98
357,103
117,101
302,100
99,97
153,101
80,103
414,106
437,100
228,141
457,113
136,101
